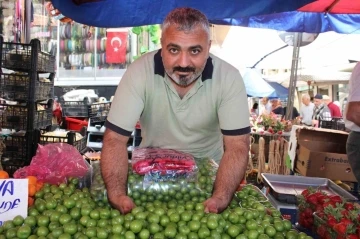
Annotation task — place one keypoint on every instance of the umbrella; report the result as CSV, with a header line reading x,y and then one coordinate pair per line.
x,y
117,13
342,16
286,15
281,91
256,86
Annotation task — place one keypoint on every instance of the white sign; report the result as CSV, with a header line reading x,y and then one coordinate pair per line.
x,y
13,198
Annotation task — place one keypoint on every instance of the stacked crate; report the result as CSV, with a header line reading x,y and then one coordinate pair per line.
x,y
27,99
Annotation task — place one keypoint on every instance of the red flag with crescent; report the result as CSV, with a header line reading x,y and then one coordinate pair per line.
x,y
116,47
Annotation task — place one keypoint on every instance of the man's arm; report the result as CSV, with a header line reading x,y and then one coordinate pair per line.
x,y
353,112
231,171
114,169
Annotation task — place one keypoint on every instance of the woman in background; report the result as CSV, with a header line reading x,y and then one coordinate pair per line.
x,y
254,109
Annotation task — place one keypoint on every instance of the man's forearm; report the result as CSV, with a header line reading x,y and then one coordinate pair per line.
x,y
114,163
354,117
232,169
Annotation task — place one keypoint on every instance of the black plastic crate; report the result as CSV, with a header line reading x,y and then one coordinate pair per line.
x,y
18,57
16,117
70,138
10,166
74,108
18,148
97,120
99,109
16,87
334,123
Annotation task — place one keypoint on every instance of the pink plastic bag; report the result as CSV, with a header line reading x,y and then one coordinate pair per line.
x,y
165,161
53,163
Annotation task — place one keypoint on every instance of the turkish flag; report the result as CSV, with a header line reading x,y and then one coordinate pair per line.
x,y
116,47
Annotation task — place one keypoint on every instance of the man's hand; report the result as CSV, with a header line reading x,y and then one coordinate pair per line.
x,y
123,203
215,205
114,169
315,123
231,171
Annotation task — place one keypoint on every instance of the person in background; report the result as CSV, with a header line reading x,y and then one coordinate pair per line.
x,y
337,103
306,110
334,109
295,113
184,102
321,111
254,110
276,107
352,122
266,106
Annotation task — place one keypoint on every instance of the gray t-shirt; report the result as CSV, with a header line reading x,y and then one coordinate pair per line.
x,y
216,105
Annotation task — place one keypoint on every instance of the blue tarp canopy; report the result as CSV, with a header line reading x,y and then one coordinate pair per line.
x,y
256,86
312,16
280,91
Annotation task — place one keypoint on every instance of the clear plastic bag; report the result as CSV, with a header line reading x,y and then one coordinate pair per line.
x,y
207,169
162,161
97,189
54,163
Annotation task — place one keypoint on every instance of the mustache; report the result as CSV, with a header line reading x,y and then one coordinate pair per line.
x,y
184,69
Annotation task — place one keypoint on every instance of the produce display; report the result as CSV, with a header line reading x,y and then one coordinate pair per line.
x,y
145,188
330,216
172,209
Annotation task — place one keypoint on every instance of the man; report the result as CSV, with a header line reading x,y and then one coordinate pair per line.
x,y
321,111
295,113
276,107
306,110
352,122
334,109
266,106
187,100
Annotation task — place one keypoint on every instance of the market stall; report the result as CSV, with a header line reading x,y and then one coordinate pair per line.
x,y
61,193
63,204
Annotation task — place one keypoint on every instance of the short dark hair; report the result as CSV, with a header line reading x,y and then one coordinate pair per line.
x,y
255,106
186,19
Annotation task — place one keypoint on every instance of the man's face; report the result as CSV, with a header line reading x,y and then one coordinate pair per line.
x,y
184,54
263,101
305,101
274,103
317,102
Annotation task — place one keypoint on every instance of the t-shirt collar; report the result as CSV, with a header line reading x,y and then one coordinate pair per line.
x,y
160,70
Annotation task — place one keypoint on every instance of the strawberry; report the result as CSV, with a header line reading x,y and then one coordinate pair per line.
x,y
308,212
321,214
346,221
307,224
340,228
321,230
345,213
349,206
307,191
310,220
352,236
329,204
312,199
331,222
321,197
319,208
336,199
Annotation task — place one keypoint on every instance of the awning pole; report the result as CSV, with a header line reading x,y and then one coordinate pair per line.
x,y
293,75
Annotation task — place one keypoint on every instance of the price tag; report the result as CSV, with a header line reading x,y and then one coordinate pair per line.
x,y
13,198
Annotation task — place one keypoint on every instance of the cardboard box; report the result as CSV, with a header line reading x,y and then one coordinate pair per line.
x,y
322,153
